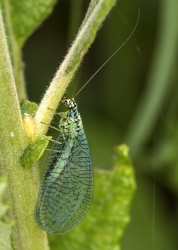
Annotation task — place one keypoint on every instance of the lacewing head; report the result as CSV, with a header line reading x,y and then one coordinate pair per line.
x,y
69,103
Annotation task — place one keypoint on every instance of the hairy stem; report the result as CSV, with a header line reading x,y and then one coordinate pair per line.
x,y
97,12
22,191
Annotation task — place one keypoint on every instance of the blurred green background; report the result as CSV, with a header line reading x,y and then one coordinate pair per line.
x,y
133,100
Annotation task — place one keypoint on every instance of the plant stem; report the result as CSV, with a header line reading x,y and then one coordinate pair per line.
x,y
22,190
97,12
15,52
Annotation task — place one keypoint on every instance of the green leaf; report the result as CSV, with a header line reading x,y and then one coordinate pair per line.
x,y
35,149
108,216
23,17
28,107
5,224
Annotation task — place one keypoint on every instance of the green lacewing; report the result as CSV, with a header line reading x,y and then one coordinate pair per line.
x,y
67,182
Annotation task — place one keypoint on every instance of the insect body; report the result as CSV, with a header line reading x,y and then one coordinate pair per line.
x,y
67,183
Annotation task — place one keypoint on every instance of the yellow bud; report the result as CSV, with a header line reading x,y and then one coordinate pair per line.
x,y
29,125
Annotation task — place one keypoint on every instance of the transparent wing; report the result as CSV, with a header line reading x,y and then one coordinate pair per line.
x,y
67,185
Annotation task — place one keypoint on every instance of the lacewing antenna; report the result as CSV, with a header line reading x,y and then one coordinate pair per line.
x,y
111,55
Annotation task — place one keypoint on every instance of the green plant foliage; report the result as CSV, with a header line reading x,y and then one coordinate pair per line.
x,y
25,16
108,216
38,144
28,107
5,224
35,149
